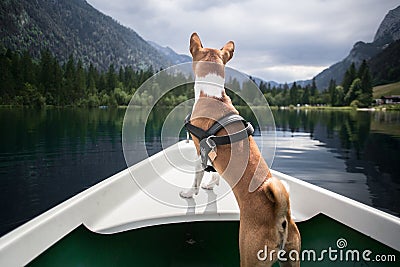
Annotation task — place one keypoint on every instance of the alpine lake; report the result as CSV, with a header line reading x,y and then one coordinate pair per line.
x,y
50,155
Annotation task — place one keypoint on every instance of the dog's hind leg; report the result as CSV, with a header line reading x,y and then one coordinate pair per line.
x,y
214,181
194,190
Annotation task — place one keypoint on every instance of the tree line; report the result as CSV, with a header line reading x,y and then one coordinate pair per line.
x,y
355,90
26,81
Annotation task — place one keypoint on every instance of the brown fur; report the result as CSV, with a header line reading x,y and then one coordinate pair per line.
x,y
265,218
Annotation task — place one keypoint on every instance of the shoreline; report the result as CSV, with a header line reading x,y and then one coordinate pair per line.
x,y
387,107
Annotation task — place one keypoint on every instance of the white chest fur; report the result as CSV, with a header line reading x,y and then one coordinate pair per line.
x,y
211,85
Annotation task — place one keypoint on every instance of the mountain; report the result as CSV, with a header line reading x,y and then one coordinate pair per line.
x,y
385,67
74,27
174,57
258,81
389,30
387,33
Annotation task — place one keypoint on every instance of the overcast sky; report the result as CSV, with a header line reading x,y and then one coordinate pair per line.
x,y
280,40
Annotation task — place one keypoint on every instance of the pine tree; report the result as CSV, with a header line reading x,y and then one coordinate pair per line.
x,y
102,83
80,81
69,78
55,83
46,74
306,95
274,91
359,85
111,79
7,88
313,87
263,87
129,78
339,96
285,95
349,77
27,68
313,92
92,77
353,92
366,80
365,98
121,75
362,69
332,92
293,99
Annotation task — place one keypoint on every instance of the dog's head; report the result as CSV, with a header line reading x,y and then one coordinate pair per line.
x,y
202,56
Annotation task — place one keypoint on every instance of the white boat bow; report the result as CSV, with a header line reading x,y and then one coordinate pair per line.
x,y
121,203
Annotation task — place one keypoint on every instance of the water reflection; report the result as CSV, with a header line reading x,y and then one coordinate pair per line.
x,y
50,155
349,152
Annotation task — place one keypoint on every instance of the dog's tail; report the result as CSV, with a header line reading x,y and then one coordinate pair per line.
x,y
277,192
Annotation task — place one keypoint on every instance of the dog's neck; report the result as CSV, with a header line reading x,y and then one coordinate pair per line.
x,y
211,85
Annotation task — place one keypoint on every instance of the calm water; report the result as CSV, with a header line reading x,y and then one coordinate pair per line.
x,y
48,156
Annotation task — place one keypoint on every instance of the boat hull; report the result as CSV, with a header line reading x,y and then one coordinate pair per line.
x,y
208,244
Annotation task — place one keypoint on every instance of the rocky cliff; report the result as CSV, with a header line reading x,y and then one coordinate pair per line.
x,y
387,33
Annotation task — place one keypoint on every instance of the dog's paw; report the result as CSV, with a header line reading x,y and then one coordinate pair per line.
x,y
214,181
208,186
190,193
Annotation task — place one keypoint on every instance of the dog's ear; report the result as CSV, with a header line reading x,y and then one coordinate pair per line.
x,y
195,44
227,51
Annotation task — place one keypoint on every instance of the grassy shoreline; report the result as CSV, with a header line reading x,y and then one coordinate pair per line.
x,y
386,107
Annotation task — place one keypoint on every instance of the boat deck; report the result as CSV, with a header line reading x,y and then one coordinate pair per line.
x,y
141,210
147,194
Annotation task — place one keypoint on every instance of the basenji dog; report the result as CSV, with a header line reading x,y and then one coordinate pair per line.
x,y
265,218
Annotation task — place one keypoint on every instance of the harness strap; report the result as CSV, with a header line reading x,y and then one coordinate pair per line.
x,y
196,131
210,168
219,125
209,140
223,122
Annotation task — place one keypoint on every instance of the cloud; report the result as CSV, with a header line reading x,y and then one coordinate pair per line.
x,y
289,72
277,40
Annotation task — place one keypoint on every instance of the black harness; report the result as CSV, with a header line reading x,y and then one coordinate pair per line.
x,y
209,141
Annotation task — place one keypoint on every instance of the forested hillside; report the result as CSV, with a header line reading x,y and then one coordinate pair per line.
x,y
73,27
37,83
27,82
65,52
